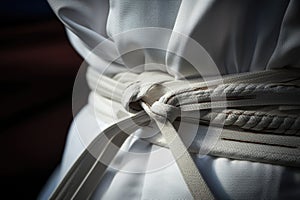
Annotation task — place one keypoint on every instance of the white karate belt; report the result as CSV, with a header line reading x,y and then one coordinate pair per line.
x,y
276,139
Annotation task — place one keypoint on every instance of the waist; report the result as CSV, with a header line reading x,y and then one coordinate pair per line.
x,y
256,111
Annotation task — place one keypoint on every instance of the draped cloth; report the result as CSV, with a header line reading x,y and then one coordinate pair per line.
x,y
239,36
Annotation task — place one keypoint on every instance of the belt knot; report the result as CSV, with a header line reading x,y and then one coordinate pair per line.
x,y
146,94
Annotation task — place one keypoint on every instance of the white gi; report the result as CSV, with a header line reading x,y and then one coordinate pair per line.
x,y
240,36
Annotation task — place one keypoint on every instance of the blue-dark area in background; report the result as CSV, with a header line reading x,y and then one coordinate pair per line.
x,y
35,110
20,11
25,8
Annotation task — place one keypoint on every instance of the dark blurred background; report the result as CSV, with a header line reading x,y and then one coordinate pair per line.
x,y
38,68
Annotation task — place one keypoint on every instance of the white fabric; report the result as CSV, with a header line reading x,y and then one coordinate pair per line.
x,y
227,178
239,35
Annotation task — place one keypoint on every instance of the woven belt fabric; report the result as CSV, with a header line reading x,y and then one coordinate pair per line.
x,y
157,97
